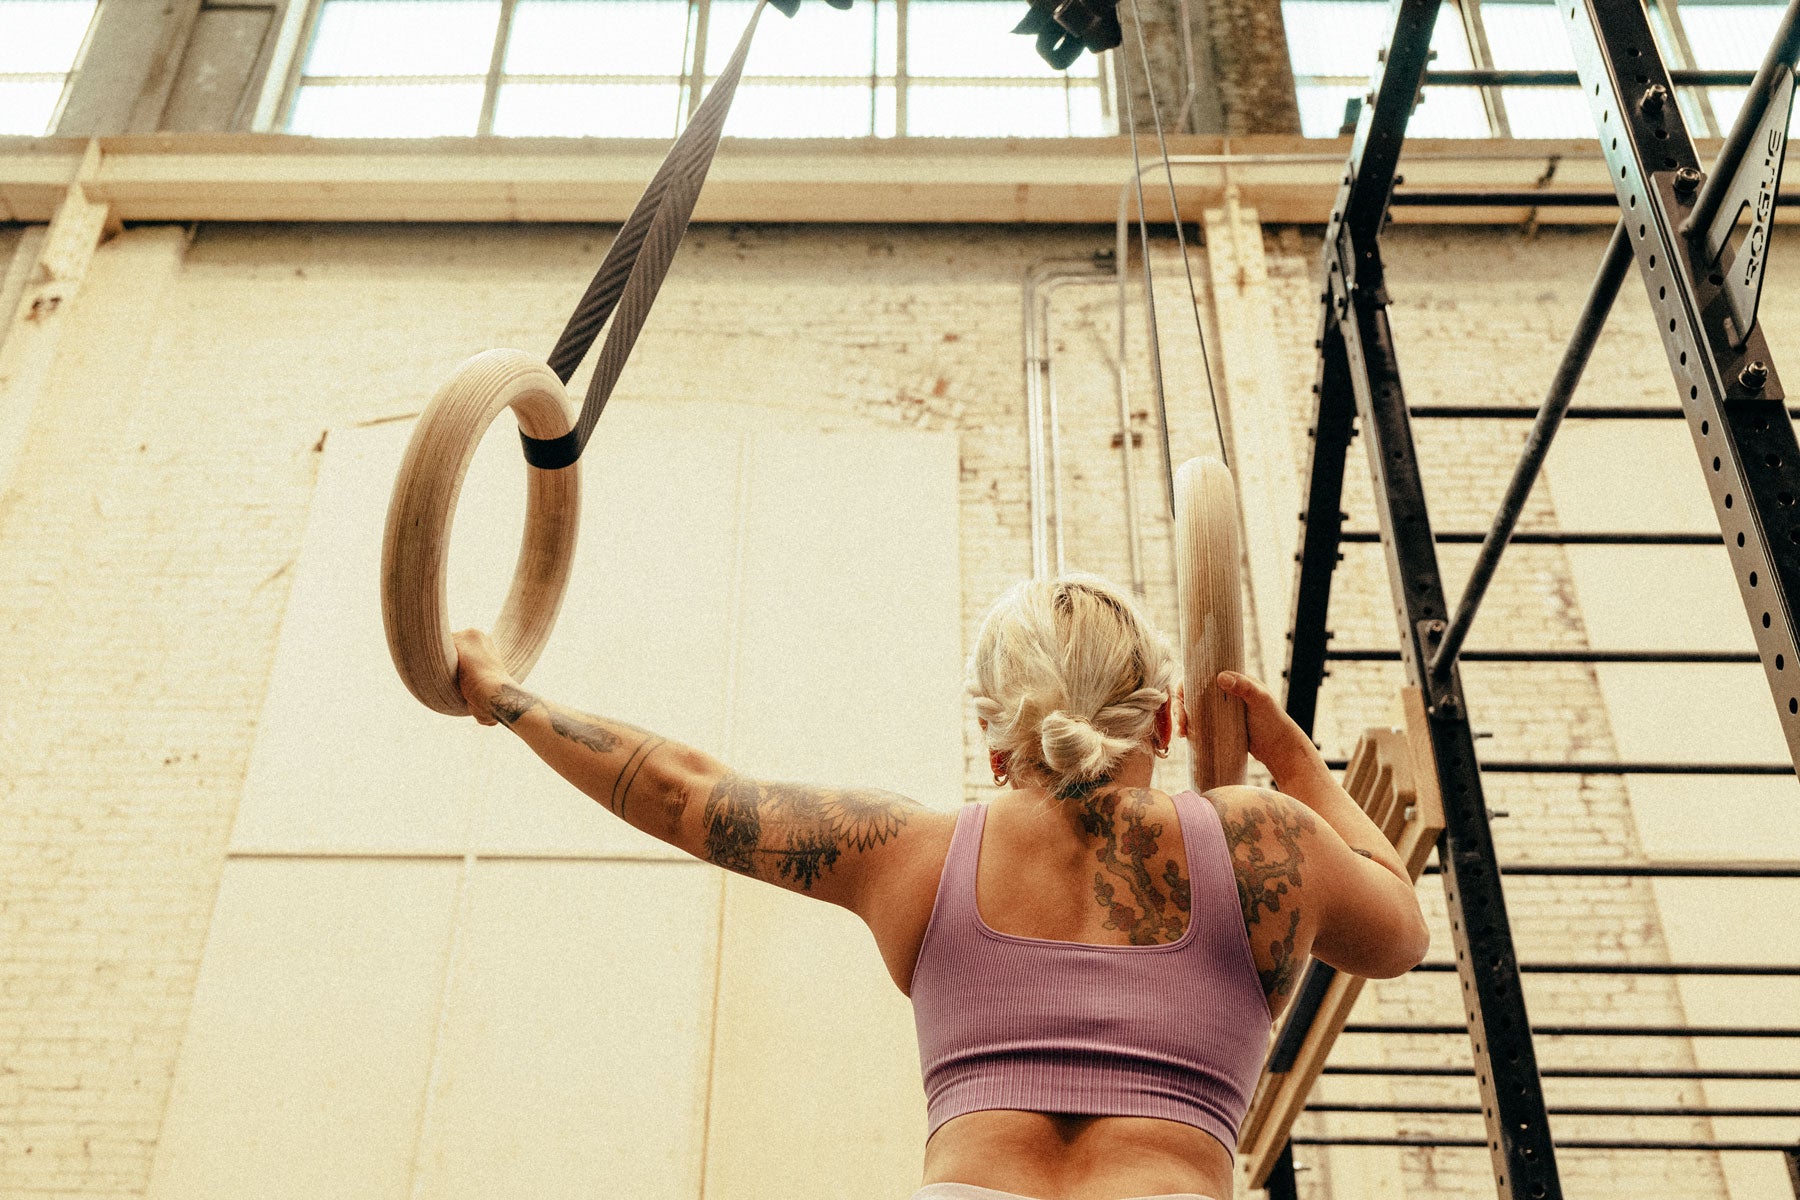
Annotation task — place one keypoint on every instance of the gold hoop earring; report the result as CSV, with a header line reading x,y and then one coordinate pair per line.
x,y
1161,751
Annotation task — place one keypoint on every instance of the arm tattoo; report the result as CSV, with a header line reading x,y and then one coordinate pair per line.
x,y
510,703
622,785
584,731
1266,857
790,831
1128,845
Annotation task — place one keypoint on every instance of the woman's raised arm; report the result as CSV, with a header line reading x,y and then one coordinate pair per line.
x,y
830,843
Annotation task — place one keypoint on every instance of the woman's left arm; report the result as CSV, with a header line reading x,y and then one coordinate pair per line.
x,y
831,843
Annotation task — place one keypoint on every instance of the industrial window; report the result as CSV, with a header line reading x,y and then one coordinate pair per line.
x,y
1333,44
40,47
636,68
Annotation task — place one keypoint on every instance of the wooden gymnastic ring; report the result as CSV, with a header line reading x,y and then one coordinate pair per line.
x,y
417,544
1210,596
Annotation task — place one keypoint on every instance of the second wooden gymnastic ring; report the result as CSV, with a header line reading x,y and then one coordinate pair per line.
x,y
1212,620
417,544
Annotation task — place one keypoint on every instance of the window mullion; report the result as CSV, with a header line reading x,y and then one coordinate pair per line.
x,y
900,76
490,96
697,72
1476,32
1683,54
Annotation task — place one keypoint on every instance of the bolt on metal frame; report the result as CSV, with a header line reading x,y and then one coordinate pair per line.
x,y
1741,419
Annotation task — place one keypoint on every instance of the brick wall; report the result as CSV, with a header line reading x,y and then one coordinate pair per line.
x,y
146,539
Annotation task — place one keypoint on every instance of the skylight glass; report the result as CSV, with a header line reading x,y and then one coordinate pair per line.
x,y
627,68
40,43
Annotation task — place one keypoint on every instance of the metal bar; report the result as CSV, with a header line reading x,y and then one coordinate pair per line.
x,y
1784,48
1791,1157
1569,968
1662,870
1526,198
1516,78
1475,31
1659,1031
1281,1184
1562,1144
490,92
1672,1075
1613,268
1683,52
1555,537
1670,657
1525,767
1523,1156
1726,378
1556,1110
1623,412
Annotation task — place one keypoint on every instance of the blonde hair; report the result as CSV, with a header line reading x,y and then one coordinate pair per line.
x,y
1068,673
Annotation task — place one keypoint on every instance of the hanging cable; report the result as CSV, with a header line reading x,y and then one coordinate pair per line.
x,y
1187,265
1156,374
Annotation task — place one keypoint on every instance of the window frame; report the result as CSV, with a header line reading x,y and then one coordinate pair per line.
x,y
67,77
692,79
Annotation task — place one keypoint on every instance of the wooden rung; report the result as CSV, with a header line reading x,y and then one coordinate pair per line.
x,y
1393,776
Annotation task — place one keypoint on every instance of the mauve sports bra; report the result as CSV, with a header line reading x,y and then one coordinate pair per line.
x,y
1176,1031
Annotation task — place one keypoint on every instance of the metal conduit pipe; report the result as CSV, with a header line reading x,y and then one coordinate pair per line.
x,y
1043,418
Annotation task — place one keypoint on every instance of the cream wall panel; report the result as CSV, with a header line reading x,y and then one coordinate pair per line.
x,y
1650,480
1659,597
645,630
572,1061
849,672
1682,713
310,1038
643,637
319,776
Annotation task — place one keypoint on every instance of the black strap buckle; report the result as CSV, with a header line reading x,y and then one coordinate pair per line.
x,y
1064,28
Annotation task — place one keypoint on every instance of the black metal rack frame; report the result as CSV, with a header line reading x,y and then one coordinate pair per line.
x,y
1677,225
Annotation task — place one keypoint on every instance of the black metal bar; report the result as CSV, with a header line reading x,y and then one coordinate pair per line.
x,y
1516,78
1784,47
1553,537
1321,516
1792,1158
1281,1184
1526,198
1658,1031
1499,1030
1614,266
1558,1110
1662,870
1726,377
1622,412
1681,1147
1665,657
1770,970
1672,1075
1307,998
1523,767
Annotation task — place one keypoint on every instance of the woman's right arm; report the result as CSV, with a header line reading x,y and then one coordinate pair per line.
x,y
1368,920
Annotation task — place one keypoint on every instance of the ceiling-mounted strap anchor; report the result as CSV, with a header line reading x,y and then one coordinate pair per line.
x,y
1064,28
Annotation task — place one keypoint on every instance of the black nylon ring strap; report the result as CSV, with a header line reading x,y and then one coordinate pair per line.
x,y
636,263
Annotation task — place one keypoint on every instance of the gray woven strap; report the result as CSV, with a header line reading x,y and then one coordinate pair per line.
x,y
629,277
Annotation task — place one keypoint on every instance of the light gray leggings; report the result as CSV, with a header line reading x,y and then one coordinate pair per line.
x,y
968,1191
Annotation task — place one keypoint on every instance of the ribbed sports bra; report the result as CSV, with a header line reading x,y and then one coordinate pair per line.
x,y
1177,1031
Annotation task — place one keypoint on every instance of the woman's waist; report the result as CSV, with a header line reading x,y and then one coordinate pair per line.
x,y
1075,1156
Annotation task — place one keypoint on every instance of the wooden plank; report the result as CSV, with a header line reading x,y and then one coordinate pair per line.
x,y
1393,777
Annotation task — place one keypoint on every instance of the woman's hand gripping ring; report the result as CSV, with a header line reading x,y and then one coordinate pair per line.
x,y
417,545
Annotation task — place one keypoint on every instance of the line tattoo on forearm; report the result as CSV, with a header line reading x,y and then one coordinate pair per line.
x,y
510,703
628,776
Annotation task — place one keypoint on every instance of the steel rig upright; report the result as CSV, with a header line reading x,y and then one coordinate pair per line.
x,y
1359,377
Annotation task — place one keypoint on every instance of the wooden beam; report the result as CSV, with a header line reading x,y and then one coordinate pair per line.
x,y
52,278
276,177
1392,776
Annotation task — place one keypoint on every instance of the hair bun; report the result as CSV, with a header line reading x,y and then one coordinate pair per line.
x,y
1072,746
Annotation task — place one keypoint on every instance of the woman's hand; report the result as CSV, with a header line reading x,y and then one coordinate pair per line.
x,y
1275,739
479,672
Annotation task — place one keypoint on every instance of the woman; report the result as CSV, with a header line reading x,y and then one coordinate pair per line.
x,y
1093,1026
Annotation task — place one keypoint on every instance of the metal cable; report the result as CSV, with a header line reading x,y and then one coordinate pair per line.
x,y
1162,406
1187,266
